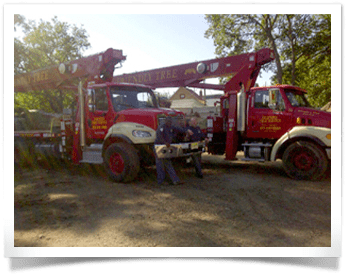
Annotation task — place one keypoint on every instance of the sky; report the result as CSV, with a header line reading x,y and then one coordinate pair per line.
x,y
149,41
154,41
151,36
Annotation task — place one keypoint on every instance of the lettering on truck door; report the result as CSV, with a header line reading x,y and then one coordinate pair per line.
x,y
99,115
264,122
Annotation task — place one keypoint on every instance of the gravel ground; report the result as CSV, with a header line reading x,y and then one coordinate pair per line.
x,y
236,204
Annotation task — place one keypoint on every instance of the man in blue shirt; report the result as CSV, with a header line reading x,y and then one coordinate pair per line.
x,y
197,135
164,135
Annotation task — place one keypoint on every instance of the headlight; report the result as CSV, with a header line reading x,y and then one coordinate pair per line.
x,y
141,134
328,136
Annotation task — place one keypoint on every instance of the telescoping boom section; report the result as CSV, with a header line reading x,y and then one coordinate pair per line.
x,y
96,68
243,68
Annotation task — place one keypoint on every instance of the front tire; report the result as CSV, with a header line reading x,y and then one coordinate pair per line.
x,y
121,162
303,160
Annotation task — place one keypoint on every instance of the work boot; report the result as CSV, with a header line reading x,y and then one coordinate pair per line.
x,y
200,176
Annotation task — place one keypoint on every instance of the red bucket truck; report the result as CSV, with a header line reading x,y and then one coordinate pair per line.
x,y
113,123
266,123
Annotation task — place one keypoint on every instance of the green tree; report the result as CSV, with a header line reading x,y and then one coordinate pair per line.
x,y
234,34
45,44
301,44
295,31
313,62
18,20
163,96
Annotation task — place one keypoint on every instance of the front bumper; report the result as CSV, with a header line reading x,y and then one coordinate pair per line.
x,y
179,149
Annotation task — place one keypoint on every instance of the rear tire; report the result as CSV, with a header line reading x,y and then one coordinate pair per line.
x,y
121,162
304,160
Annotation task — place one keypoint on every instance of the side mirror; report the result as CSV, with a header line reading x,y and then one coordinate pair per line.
x,y
91,108
273,96
158,99
91,100
274,99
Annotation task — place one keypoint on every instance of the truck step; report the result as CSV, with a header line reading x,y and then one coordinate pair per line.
x,y
253,159
92,154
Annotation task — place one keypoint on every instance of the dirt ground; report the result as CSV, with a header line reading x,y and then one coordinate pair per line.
x,y
236,204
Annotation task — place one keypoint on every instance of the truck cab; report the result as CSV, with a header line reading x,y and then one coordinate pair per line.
x,y
112,108
270,123
275,110
109,104
118,128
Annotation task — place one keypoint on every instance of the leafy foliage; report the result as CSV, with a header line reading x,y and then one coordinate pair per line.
x,y
45,44
301,43
313,65
234,34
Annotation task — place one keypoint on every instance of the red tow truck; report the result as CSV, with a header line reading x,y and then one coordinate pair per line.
x,y
266,123
113,124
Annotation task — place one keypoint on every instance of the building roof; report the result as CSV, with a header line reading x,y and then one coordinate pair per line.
x,y
183,93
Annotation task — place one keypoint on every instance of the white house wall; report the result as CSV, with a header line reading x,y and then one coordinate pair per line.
x,y
185,103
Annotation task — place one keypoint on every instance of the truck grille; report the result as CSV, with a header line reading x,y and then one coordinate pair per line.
x,y
175,119
161,119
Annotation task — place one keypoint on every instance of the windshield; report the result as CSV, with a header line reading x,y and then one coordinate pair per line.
x,y
297,98
132,97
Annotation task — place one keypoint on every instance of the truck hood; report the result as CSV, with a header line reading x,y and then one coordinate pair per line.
x,y
313,117
146,116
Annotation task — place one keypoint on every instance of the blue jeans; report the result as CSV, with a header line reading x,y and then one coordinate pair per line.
x,y
197,164
165,165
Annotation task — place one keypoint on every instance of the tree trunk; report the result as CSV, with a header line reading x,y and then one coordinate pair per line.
x,y
268,28
292,45
279,73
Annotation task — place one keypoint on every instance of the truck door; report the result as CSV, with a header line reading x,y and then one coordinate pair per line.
x,y
265,122
99,115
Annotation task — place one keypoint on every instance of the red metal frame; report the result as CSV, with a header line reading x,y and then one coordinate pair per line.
x,y
97,68
243,68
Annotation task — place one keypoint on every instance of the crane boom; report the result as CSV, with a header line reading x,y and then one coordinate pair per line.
x,y
97,68
241,67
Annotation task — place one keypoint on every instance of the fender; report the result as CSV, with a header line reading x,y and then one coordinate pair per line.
x,y
119,137
319,135
133,133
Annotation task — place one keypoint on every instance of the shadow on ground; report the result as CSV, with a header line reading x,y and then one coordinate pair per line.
x,y
236,204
